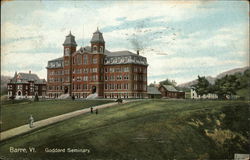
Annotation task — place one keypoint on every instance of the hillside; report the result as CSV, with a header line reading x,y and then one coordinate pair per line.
x,y
146,130
212,79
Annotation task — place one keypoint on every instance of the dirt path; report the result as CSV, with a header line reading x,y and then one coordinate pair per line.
x,y
25,128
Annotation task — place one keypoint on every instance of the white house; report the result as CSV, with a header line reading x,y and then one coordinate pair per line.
x,y
194,95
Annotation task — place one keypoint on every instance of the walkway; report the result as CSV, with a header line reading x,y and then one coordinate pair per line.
x,y
25,128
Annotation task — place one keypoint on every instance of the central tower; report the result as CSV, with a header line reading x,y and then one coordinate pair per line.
x,y
69,46
97,42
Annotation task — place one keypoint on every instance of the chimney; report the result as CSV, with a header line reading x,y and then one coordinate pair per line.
x,y
138,52
29,72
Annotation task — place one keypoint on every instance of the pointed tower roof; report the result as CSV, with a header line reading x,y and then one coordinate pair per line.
x,y
97,37
70,40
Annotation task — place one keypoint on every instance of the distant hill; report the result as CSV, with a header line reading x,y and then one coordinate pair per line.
x,y
212,79
230,72
4,81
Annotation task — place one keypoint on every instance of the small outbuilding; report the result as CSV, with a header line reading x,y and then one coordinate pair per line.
x,y
153,92
169,91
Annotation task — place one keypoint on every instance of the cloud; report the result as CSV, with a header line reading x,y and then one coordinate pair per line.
x,y
183,69
23,62
171,53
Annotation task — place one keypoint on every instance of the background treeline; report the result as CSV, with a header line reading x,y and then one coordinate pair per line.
x,y
226,87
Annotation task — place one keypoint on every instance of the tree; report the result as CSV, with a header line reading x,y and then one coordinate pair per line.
x,y
168,82
227,85
202,87
244,79
36,98
151,85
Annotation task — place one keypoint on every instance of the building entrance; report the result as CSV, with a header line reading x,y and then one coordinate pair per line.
x,y
93,89
66,90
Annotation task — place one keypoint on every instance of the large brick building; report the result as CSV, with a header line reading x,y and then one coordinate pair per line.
x,y
26,85
93,69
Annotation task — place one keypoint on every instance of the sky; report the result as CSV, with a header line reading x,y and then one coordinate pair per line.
x,y
181,39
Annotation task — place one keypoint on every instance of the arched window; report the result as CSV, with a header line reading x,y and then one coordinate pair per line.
x,y
85,59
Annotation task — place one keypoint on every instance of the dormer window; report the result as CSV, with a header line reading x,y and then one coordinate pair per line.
x,y
94,48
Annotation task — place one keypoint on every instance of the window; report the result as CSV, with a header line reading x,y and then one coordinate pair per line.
x,y
78,86
126,69
66,79
125,86
106,78
106,70
66,62
135,86
111,60
79,79
119,77
66,71
85,86
85,78
118,86
19,87
111,69
118,59
78,71
94,77
135,69
135,77
101,49
117,69
106,86
94,70
85,70
125,77
94,60
112,77
85,59
79,59
126,59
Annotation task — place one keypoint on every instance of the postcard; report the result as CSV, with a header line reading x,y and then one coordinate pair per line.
x,y
113,80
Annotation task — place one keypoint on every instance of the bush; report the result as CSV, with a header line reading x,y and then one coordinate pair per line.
x,y
36,98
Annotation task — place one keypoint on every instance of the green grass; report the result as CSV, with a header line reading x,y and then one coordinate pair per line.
x,y
154,129
17,114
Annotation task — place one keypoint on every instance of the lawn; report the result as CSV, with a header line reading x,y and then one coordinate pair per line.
x,y
14,115
149,129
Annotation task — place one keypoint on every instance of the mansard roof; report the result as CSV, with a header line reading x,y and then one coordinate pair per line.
x,y
121,53
97,37
87,49
26,77
70,40
57,59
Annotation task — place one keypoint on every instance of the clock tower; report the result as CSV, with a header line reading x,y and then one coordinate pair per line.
x,y
69,48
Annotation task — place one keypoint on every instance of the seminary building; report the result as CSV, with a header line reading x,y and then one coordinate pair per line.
x,y
95,70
